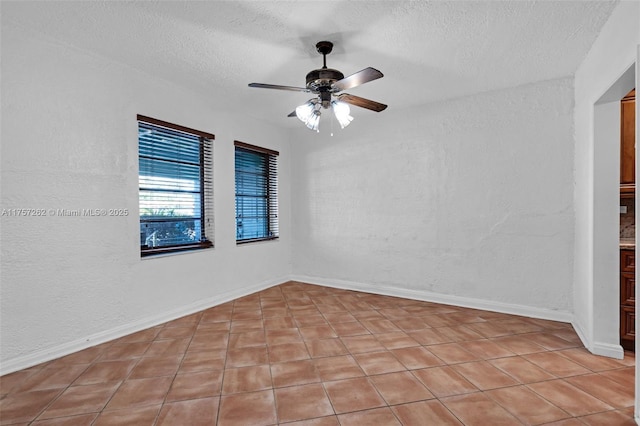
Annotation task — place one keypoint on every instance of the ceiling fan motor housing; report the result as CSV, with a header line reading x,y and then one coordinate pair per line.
x,y
323,77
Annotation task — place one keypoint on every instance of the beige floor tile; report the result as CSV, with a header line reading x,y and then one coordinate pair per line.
x,y
302,402
161,348
487,349
325,348
607,390
81,400
203,360
453,353
317,332
353,395
107,371
288,352
569,398
518,344
556,364
624,376
526,405
51,378
195,412
430,336
415,413
25,406
616,418
139,416
521,369
444,381
233,409
400,388
276,323
294,373
247,339
247,357
338,367
283,335
467,409
460,333
362,344
156,367
350,329
396,340
378,363
80,420
376,416
414,358
139,392
590,361
484,375
199,384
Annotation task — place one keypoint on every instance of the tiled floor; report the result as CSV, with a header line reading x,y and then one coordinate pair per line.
x,y
307,355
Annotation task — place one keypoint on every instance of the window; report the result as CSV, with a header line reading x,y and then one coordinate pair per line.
x,y
256,193
176,187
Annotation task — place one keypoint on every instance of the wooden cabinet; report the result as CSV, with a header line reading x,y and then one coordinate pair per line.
x,y
627,299
627,189
627,144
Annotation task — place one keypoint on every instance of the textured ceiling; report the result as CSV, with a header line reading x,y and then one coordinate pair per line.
x,y
428,51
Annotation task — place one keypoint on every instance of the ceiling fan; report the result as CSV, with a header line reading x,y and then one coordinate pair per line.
x,y
327,83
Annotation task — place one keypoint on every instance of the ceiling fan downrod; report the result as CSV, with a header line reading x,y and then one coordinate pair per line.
x,y
324,48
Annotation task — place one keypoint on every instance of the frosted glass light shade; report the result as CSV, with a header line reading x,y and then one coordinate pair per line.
x,y
309,114
304,112
314,120
342,112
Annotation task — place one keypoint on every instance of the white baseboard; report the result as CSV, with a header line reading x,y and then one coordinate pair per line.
x,y
467,302
586,341
598,348
55,352
607,349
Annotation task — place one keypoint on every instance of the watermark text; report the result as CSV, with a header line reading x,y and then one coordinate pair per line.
x,y
36,212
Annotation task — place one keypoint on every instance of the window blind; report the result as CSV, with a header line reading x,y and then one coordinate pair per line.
x,y
256,193
175,187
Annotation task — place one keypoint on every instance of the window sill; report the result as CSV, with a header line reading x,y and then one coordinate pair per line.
x,y
255,240
167,251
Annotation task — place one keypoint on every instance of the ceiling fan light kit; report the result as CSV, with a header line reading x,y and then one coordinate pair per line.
x,y
326,83
309,113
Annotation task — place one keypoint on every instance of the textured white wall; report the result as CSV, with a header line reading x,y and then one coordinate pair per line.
x,y
471,198
69,141
599,77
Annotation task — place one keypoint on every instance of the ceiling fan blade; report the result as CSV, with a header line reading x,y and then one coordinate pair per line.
x,y
293,114
362,102
363,76
278,87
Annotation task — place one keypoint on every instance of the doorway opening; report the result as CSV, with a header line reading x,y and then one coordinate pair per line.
x,y
627,221
606,221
